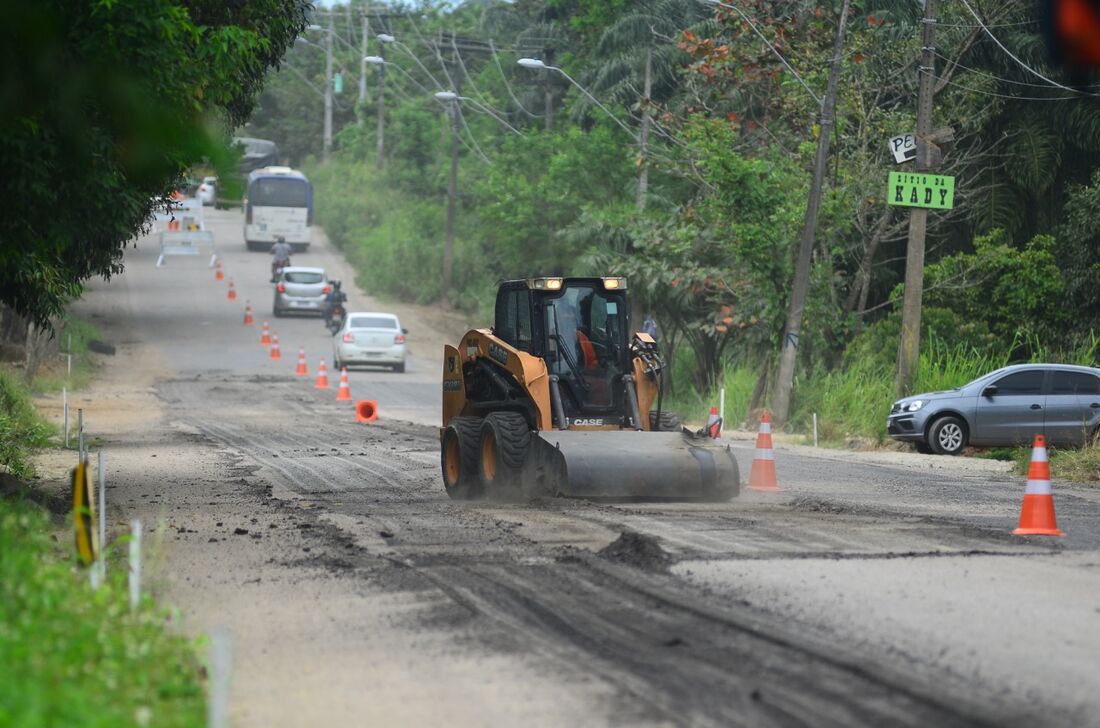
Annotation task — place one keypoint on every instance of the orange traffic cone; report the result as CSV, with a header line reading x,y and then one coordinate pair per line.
x,y
265,336
218,274
1037,514
302,370
247,313
714,424
343,392
232,296
275,353
173,225
366,410
762,475
322,377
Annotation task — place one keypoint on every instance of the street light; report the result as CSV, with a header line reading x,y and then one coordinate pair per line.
x,y
537,65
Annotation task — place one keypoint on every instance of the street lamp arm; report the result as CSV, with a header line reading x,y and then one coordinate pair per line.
x,y
596,101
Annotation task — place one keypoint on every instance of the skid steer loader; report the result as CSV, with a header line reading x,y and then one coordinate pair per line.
x,y
560,398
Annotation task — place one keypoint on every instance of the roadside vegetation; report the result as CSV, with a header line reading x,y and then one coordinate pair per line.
x,y
77,657
1011,275
21,427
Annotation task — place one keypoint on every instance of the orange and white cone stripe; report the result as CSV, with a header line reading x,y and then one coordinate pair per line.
x,y
762,475
301,370
1037,514
275,353
343,393
247,313
265,336
322,376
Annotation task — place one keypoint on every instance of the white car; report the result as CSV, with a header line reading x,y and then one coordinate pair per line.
x,y
370,338
208,190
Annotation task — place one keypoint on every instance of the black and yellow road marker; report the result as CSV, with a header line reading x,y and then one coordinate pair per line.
x,y
84,522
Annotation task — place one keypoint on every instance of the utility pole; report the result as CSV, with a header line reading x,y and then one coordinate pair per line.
x,y
363,49
789,353
909,346
380,136
327,149
643,138
547,90
452,187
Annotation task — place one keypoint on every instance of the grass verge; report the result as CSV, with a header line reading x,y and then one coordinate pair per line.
x,y
54,374
21,427
74,657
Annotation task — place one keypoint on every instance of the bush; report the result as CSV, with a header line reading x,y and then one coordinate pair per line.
x,y
73,657
21,427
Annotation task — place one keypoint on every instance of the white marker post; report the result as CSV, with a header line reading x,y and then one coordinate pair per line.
x,y
70,354
135,563
217,701
815,429
102,516
65,414
721,410
80,432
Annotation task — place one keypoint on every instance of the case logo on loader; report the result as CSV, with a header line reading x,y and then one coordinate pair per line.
x,y
590,422
452,385
498,353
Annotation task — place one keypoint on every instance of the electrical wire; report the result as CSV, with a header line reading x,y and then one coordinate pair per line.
x,y
982,92
508,86
1014,57
466,75
778,55
987,74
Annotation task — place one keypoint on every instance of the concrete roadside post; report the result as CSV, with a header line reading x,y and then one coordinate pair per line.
x,y
80,432
815,429
135,563
721,409
102,516
217,701
65,414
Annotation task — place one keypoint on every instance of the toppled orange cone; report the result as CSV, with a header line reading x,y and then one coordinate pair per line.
x,y
322,377
343,392
762,475
1037,515
366,410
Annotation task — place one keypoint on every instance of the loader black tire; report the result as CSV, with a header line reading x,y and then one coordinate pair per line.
x,y
670,422
503,447
458,458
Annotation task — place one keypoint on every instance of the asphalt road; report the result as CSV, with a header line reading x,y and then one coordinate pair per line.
x,y
867,592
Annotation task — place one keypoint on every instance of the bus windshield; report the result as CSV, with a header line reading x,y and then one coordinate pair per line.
x,y
274,192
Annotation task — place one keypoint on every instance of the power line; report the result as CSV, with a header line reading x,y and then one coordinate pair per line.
x,y
508,86
1014,57
982,92
987,74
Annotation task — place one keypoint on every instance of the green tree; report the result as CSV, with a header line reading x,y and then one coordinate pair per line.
x,y
104,106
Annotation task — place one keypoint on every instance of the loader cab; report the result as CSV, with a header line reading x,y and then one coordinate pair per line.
x,y
579,327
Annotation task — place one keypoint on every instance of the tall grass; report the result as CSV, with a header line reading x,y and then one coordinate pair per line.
x,y
77,658
21,427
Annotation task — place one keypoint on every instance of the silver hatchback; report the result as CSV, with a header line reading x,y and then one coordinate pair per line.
x,y
1004,408
370,338
302,290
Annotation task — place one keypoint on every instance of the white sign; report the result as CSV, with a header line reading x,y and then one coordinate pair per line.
x,y
904,148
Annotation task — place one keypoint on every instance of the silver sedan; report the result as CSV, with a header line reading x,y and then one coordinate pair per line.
x,y
1004,408
370,338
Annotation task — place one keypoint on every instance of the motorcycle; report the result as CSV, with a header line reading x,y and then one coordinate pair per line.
x,y
334,317
277,269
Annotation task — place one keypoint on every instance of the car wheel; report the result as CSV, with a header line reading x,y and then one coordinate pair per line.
x,y
924,448
399,368
277,312
458,458
947,436
337,364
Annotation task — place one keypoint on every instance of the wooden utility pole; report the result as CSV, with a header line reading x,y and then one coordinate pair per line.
x,y
327,138
643,138
547,89
380,135
363,49
909,346
452,186
789,352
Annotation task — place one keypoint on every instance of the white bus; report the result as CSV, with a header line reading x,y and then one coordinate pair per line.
x,y
279,204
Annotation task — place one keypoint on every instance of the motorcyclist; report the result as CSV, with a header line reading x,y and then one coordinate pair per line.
x,y
334,303
281,250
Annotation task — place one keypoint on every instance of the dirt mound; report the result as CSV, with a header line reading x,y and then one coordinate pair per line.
x,y
637,549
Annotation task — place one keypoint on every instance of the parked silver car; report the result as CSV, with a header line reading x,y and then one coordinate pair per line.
x,y
301,289
1007,407
370,338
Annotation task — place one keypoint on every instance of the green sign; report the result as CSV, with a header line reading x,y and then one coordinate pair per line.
x,y
338,83
917,189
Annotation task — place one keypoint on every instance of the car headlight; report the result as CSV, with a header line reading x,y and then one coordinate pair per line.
x,y
914,405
